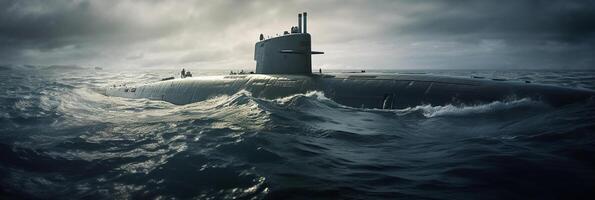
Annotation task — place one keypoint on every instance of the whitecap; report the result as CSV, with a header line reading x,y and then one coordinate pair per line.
x,y
430,111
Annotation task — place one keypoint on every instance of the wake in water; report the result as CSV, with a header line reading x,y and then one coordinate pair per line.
x,y
60,138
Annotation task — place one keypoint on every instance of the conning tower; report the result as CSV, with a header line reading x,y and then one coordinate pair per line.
x,y
290,53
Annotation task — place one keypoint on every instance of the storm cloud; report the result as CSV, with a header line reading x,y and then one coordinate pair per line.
x,y
354,34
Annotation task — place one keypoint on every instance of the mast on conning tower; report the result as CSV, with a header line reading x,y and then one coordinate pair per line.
x,y
304,22
300,23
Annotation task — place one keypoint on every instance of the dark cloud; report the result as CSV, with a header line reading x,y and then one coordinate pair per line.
x,y
411,34
563,21
54,24
538,34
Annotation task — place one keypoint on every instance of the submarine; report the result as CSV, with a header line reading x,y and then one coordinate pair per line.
x,y
284,68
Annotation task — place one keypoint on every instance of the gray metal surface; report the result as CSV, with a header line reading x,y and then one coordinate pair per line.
x,y
356,90
287,54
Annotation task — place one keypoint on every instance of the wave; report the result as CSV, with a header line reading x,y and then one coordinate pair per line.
x,y
291,100
89,104
315,102
243,111
430,111
318,99
245,98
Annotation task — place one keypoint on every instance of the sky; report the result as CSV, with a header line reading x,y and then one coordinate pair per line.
x,y
354,34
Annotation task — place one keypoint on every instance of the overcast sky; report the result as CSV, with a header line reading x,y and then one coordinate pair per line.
x,y
455,34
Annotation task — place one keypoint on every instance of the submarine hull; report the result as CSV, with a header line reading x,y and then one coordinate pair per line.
x,y
366,91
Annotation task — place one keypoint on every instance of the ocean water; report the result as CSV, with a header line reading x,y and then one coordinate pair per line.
x,y
61,139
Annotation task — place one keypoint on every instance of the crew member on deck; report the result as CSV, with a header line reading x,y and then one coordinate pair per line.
x,y
183,73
